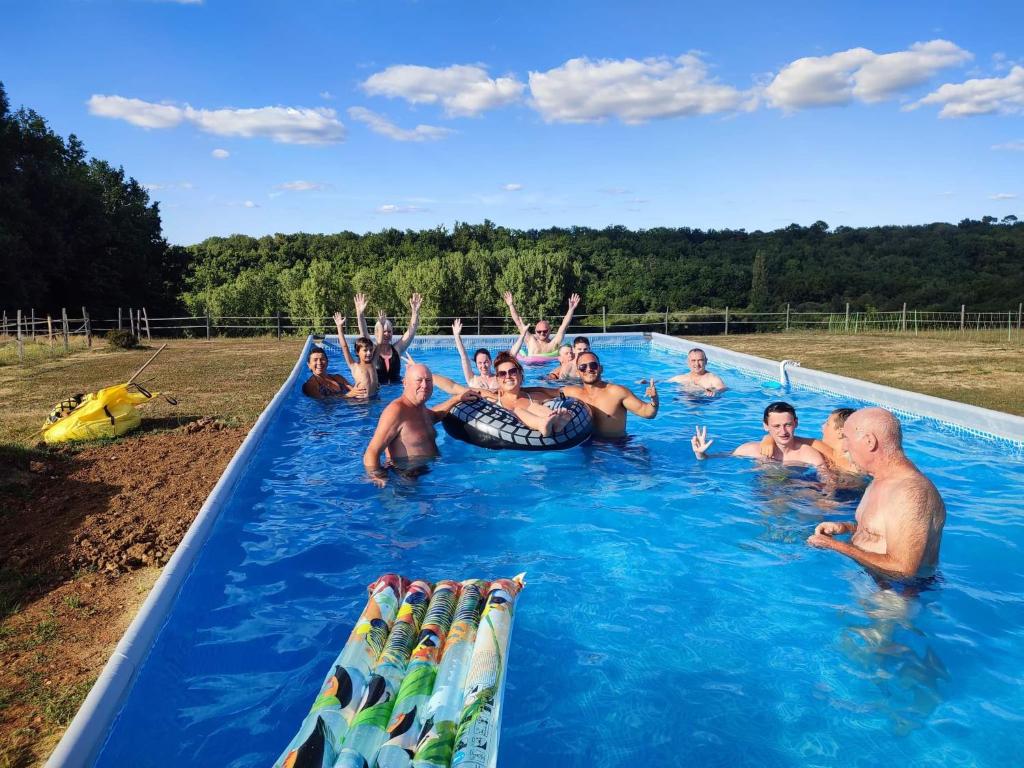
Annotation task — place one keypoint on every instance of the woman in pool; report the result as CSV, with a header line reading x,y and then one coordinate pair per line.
x,y
323,384
485,378
388,355
525,402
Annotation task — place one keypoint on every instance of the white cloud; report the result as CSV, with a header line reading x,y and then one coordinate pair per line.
x,y
392,209
1012,146
859,73
174,185
463,90
583,91
512,187
1002,196
136,111
302,186
326,95
380,124
250,204
286,125
981,96
221,154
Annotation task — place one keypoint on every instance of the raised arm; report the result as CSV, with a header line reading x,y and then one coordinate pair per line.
x,y
507,296
574,301
449,386
644,410
403,343
514,350
360,300
339,322
467,369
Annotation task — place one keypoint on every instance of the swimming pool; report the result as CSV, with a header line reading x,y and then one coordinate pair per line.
x,y
673,614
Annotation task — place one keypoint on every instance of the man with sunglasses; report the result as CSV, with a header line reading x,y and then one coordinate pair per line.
x,y
540,342
609,402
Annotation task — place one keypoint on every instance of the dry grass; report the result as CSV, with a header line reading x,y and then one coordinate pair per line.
x,y
229,379
986,371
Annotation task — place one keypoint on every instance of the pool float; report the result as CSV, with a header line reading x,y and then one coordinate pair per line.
x,y
110,412
544,359
399,739
368,729
436,739
476,739
323,730
486,424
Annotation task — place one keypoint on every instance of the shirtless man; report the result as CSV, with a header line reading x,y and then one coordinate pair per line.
x,y
405,430
540,341
699,377
323,384
830,446
609,402
780,423
899,521
566,365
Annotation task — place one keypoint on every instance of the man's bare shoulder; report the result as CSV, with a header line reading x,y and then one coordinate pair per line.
x,y
916,493
682,378
751,450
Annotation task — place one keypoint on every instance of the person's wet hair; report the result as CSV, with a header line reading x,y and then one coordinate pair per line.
x,y
778,407
581,340
697,349
840,415
316,351
364,343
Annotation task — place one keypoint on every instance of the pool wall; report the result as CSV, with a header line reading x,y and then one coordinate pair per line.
x,y
82,741
980,422
88,731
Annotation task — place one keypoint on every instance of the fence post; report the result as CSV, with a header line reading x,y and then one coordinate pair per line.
x,y
726,321
49,330
962,308
666,321
21,344
278,324
787,318
207,325
138,322
5,323
131,321
119,318
915,322
1019,308
145,316
604,319
64,325
478,320
32,327
88,328
846,327
903,318
1009,326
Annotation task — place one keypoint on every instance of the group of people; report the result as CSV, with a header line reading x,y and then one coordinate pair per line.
x,y
898,524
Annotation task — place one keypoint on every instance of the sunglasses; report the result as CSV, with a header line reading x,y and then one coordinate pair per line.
x,y
544,330
588,367
507,373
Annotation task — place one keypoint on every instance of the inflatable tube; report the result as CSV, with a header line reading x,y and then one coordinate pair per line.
x,y
484,423
545,359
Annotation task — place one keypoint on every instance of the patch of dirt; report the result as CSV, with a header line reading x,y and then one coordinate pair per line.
x,y
83,534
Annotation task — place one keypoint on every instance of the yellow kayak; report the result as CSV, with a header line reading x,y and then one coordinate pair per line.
x,y
107,413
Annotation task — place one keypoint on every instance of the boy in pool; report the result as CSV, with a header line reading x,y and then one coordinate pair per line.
x,y
322,384
830,446
363,368
566,365
780,423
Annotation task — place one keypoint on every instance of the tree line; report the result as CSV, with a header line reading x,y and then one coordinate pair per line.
x,y
75,231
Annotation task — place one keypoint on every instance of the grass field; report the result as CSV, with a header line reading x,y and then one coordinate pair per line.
x,y
232,379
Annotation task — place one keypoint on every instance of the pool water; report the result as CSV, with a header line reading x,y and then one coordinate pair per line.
x,y
673,614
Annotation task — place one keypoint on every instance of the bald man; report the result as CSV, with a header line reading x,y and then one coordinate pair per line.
x,y
899,521
405,430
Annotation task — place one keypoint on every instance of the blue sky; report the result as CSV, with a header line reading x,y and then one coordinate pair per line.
x,y
320,116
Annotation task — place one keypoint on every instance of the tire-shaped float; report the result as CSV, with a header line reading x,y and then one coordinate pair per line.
x,y
488,425
545,359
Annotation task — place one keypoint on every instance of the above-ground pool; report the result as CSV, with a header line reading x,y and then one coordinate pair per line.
x,y
673,613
